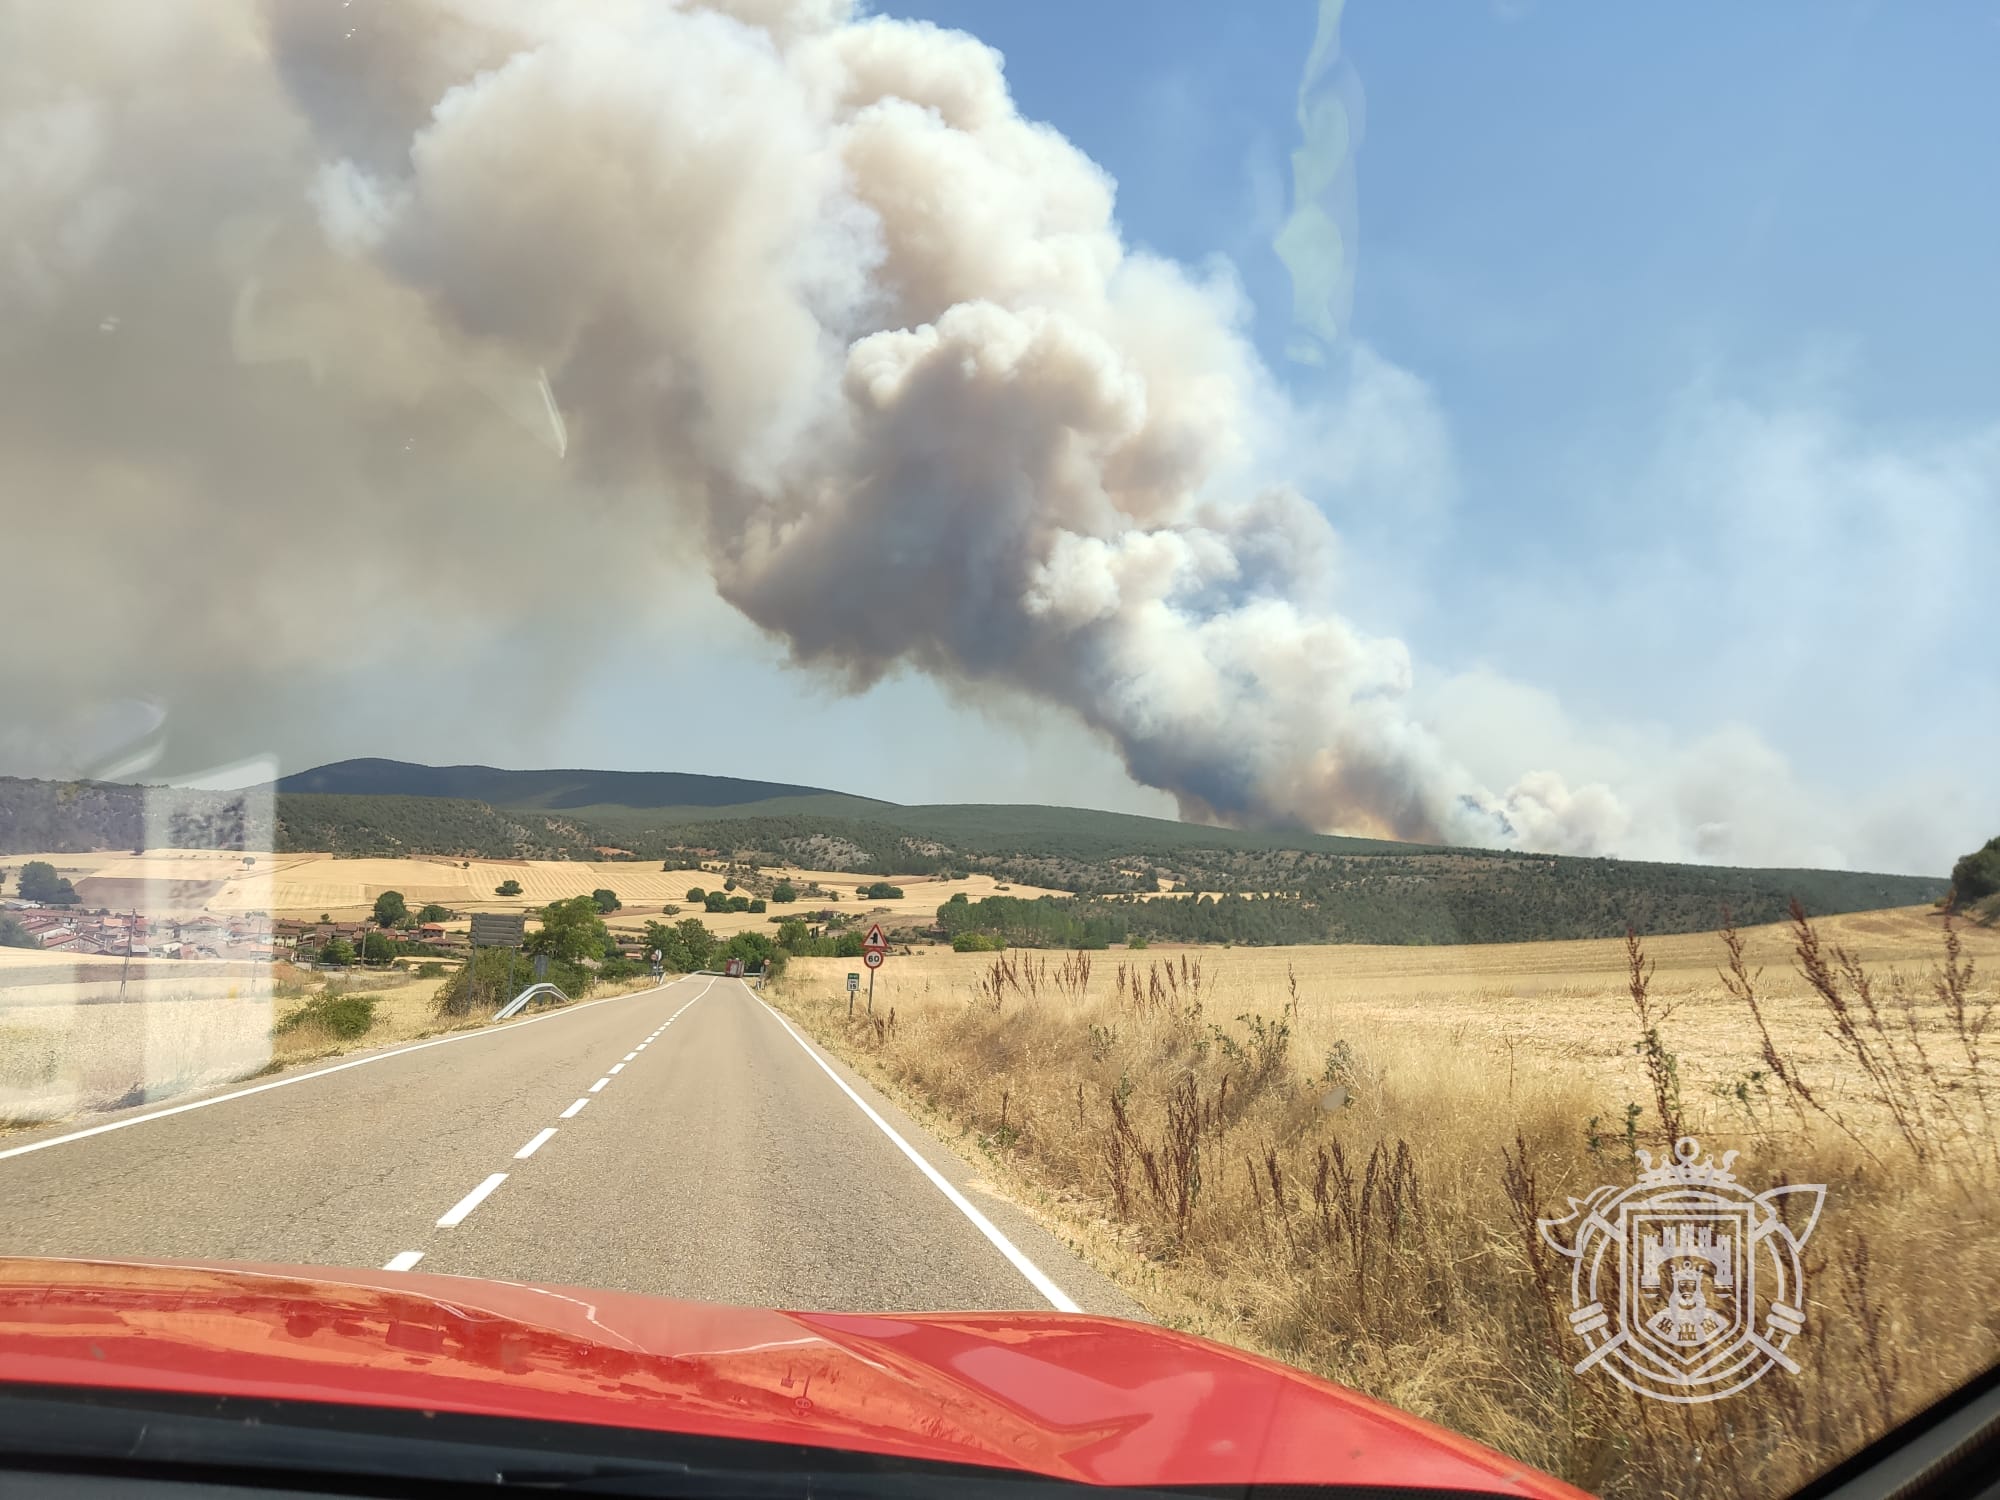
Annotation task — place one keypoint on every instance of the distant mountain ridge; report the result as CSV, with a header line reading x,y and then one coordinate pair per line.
x,y
552,791
1227,885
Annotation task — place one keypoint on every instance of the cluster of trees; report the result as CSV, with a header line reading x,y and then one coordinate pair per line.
x,y
40,882
508,887
687,945
881,890
14,935
1976,876
1047,922
722,900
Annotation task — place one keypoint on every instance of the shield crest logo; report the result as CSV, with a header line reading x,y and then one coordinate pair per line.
x,y
1687,1286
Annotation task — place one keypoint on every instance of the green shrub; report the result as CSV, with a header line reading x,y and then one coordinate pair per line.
x,y
429,971
977,942
346,1016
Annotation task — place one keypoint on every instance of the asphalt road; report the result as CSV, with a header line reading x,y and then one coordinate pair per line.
x,y
683,1142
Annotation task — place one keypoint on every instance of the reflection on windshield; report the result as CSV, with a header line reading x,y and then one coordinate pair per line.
x,y
1115,743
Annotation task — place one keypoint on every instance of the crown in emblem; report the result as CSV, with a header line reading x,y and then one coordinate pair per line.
x,y
1687,1167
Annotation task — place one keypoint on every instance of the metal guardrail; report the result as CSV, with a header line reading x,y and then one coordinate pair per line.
x,y
515,1005
520,1002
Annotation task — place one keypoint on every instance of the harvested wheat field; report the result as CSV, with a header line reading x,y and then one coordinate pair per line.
x,y
1340,1156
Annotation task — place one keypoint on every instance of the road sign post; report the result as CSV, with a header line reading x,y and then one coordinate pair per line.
x,y
853,984
873,948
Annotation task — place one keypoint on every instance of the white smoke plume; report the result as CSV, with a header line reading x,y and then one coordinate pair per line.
x,y
792,290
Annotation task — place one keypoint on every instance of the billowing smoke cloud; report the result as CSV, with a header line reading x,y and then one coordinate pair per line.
x,y
339,325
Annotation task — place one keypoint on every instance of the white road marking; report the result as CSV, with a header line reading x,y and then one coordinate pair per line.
x,y
535,1145
632,1054
1037,1278
616,1069
599,1084
574,1110
359,1062
471,1201
402,1260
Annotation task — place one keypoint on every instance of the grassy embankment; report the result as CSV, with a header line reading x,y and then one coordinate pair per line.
x,y
1337,1156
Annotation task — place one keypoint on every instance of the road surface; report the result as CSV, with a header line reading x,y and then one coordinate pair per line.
x,y
685,1141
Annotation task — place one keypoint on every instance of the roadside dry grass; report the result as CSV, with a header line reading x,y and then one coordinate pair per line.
x,y
1338,1157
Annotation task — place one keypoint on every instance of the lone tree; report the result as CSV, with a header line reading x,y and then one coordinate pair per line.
x,y
432,912
607,900
507,888
337,953
572,931
14,935
696,895
783,892
377,948
390,908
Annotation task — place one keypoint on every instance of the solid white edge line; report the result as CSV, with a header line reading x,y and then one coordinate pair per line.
x,y
1038,1278
535,1145
402,1260
358,1062
470,1201
574,1110
599,1085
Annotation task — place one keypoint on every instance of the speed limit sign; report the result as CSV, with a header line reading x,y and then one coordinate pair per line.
x,y
872,958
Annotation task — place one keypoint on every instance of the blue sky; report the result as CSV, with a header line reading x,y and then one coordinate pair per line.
x,y
1669,356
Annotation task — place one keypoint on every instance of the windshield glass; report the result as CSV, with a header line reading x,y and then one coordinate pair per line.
x,y
1305,673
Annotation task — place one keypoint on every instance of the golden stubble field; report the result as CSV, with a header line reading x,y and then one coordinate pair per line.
x,y
1339,1156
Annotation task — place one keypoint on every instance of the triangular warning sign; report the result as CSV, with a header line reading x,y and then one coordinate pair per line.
x,y
876,938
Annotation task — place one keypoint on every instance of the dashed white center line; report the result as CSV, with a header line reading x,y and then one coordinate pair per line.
x,y
574,1110
600,1083
632,1054
402,1260
471,1201
535,1145
616,1069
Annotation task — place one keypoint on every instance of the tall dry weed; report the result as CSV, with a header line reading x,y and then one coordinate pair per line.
x,y
1364,1200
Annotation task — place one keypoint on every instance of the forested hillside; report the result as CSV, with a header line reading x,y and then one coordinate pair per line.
x,y
1221,885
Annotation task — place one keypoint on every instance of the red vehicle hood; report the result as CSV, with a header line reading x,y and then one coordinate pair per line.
x,y
1098,1400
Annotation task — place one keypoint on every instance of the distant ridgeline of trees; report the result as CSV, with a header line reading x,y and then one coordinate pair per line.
x,y
393,826
1440,900
59,817
1229,885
